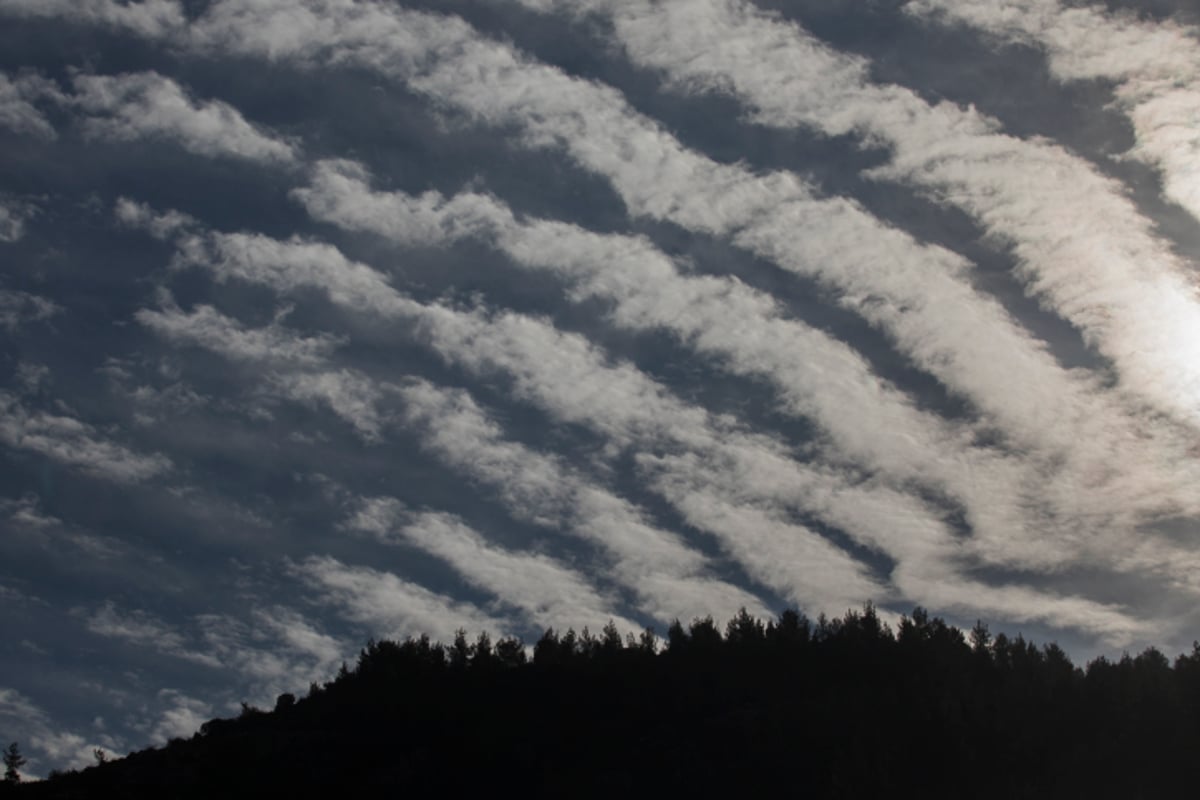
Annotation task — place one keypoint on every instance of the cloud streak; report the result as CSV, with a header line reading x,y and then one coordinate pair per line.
x,y
750,335
547,593
572,381
1082,245
1156,67
17,111
389,606
74,443
147,105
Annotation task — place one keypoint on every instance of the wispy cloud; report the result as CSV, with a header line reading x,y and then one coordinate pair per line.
x,y
669,578
750,335
869,421
563,374
350,395
573,381
147,105
182,716
140,216
146,17
17,110
389,605
18,308
509,419
1155,64
143,629
547,592
43,742
270,648
531,351
75,443
1082,245
207,327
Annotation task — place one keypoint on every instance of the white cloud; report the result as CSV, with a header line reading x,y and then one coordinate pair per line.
x,y
870,422
272,649
42,742
528,349
145,17
17,111
209,328
182,718
444,59
74,443
390,606
548,593
573,381
1082,245
167,225
1155,64
148,105
294,264
668,577
350,395
749,334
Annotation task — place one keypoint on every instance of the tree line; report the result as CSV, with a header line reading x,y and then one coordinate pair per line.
x,y
832,707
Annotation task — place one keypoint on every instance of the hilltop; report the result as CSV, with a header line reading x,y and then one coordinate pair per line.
x,y
833,708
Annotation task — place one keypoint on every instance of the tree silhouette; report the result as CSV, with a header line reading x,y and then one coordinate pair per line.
x,y
848,707
13,761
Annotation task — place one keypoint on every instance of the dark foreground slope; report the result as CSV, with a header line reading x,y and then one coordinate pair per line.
x,y
845,708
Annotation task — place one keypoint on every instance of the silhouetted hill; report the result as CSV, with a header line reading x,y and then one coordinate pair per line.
x,y
837,709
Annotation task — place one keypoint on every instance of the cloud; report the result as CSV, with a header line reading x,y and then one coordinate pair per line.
x,y
18,308
547,592
74,443
534,485
1155,65
293,264
573,381
101,551
17,111
42,742
25,513
564,374
1082,245
867,514
388,605
873,424
272,649
749,334
12,219
145,17
147,105
182,718
348,394
140,216
207,327
143,629
268,650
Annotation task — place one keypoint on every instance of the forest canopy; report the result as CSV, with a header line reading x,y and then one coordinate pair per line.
x,y
843,707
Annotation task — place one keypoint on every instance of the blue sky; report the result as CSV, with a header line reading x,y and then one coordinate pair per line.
x,y
325,320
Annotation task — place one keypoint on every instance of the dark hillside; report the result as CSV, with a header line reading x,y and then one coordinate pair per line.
x,y
841,708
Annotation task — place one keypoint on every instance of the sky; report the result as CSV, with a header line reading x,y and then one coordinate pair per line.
x,y
327,319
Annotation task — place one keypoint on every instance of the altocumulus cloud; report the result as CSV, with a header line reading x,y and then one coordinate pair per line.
x,y
328,319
